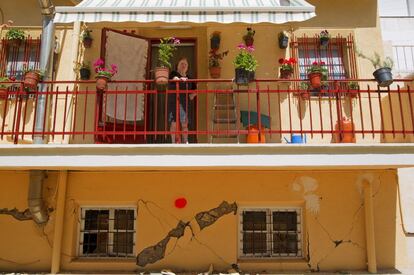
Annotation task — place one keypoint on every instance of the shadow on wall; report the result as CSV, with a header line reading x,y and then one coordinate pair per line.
x,y
398,110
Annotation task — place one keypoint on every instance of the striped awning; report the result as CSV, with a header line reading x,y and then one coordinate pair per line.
x,y
195,11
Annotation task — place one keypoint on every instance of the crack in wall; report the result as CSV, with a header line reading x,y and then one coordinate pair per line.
x,y
204,219
24,215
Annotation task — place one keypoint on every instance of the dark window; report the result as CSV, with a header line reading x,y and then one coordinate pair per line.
x,y
107,232
271,233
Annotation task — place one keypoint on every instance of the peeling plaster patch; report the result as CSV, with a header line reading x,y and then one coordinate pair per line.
x,y
18,215
156,252
312,203
207,218
308,185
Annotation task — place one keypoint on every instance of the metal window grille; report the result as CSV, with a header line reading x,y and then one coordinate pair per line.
x,y
107,232
338,56
13,60
274,233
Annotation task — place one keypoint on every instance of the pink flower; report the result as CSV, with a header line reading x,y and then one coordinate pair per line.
x,y
98,63
315,63
176,41
250,49
241,46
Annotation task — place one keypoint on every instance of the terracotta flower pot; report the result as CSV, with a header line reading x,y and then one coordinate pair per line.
x,y
101,83
344,129
353,93
315,80
31,79
215,72
161,75
249,41
253,135
87,42
286,74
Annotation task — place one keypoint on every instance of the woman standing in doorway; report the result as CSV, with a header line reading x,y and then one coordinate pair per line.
x,y
181,73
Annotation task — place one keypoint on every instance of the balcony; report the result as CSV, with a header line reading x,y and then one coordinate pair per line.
x,y
133,112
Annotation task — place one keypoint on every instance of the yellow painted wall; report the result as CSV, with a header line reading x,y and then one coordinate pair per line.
x,y
340,217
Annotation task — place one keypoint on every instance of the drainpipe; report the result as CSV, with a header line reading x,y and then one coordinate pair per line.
x,y
35,198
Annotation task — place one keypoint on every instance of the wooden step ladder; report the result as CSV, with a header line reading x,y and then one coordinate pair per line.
x,y
225,119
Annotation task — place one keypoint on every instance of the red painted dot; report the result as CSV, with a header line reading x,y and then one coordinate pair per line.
x,y
180,202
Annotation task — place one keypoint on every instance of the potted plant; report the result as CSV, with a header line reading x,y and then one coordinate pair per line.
x,y
215,40
316,72
103,74
5,86
31,78
84,70
353,89
382,73
86,38
15,37
248,37
166,48
214,63
286,67
283,40
324,38
245,65
304,92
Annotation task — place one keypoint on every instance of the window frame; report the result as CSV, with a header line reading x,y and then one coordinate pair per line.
x,y
269,233
111,225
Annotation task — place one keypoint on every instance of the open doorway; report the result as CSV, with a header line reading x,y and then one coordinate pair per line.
x,y
187,48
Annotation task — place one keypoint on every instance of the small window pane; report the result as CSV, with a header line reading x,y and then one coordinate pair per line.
x,y
124,219
285,243
123,243
284,221
95,243
254,220
254,243
96,219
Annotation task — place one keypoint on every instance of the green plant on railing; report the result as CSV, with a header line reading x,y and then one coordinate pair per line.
x,y
376,60
166,49
15,34
244,59
353,85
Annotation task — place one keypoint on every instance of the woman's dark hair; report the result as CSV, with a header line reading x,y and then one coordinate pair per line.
x,y
179,60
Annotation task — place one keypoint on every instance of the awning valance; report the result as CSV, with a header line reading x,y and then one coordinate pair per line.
x,y
195,11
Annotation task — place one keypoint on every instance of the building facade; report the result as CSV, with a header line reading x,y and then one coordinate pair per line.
x,y
90,179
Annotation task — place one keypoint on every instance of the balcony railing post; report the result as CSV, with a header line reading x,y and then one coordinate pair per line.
x,y
19,99
259,116
177,113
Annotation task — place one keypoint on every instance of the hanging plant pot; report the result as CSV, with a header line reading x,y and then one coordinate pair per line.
x,y
243,77
283,41
324,41
215,72
315,80
101,83
14,43
31,79
87,42
353,93
215,42
286,74
85,73
249,41
161,76
383,76
3,93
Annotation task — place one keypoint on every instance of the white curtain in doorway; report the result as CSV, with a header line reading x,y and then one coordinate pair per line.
x,y
130,54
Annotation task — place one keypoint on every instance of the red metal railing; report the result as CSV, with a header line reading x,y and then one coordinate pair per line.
x,y
133,112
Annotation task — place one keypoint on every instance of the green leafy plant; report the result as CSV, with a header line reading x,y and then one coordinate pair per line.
x,y
324,34
353,85
166,49
318,67
244,59
15,34
86,34
250,33
214,58
376,60
4,86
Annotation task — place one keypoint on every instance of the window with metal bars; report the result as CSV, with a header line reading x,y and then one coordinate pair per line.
x,y
107,232
14,59
339,57
271,232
